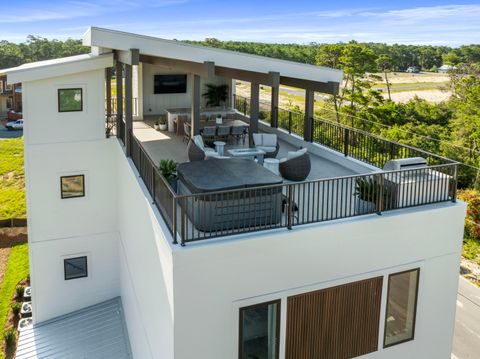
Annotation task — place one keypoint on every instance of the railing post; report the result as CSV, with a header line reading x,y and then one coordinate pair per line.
x,y
174,219
182,218
289,208
392,150
289,121
381,186
153,184
455,183
245,106
346,141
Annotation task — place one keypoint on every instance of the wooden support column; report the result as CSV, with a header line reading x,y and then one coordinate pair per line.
x,y
308,124
274,100
254,111
108,90
195,106
274,103
128,109
119,81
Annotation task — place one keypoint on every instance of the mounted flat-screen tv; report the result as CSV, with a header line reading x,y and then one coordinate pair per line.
x,y
170,84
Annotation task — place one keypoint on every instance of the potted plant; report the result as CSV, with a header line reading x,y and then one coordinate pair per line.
x,y
156,125
162,124
368,191
216,95
168,168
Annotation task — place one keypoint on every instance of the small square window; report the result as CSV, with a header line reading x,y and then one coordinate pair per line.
x,y
72,186
75,268
70,100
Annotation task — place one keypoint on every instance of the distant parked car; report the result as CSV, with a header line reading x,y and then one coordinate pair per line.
x,y
14,125
413,70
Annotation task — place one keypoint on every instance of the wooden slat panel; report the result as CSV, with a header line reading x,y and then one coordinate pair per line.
x,y
335,323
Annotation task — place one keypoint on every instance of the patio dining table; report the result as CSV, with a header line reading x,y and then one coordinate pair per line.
x,y
173,113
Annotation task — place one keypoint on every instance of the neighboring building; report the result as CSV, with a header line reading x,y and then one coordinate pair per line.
x,y
355,261
10,97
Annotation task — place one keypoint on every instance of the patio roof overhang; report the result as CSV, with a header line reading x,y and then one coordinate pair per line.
x,y
206,61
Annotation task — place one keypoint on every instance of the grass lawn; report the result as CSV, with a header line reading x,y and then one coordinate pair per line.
x,y
12,183
17,270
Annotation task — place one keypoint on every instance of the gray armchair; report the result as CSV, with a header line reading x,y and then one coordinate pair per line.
x,y
266,142
197,151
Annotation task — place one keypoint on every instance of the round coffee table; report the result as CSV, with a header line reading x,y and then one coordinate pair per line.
x,y
219,147
271,164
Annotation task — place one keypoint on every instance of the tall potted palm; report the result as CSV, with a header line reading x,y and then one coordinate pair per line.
x,y
216,95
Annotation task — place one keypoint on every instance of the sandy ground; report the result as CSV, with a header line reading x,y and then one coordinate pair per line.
x,y
403,77
429,95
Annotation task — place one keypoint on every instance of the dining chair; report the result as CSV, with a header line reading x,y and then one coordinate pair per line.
x,y
239,132
223,132
209,132
187,131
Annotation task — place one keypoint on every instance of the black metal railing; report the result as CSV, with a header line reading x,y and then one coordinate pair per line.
x,y
358,144
195,217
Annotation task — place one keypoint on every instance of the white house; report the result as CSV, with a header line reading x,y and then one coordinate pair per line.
x,y
357,260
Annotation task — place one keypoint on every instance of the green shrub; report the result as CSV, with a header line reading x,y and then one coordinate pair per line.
x,y
9,337
168,169
16,307
19,292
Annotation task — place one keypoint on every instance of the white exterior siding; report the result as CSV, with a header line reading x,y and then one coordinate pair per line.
x,y
212,281
155,104
146,271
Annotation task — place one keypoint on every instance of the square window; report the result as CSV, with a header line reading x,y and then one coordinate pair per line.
x,y
72,186
401,307
75,268
70,100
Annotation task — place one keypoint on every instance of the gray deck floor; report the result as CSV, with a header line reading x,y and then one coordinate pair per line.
x,y
165,145
314,202
94,332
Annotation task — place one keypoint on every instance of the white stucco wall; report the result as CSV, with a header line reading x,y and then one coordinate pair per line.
x,y
47,125
154,104
58,144
213,281
146,272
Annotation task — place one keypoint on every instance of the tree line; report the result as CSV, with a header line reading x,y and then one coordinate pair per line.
x,y
450,128
401,57
37,48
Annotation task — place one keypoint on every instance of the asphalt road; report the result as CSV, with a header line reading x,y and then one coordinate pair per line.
x,y
466,342
9,134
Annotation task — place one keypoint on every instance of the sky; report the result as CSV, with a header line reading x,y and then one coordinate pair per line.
x,y
293,21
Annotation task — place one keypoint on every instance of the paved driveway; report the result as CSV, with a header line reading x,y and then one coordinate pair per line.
x,y
466,342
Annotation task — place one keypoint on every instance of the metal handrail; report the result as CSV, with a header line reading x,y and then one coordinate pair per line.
x,y
317,200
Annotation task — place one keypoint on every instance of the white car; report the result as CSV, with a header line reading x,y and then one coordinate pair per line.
x,y
14,125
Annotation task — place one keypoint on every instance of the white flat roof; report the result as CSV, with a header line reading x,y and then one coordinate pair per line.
x,y
147,45
57,67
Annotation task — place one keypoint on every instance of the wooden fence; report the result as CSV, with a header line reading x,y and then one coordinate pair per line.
x,y
13,222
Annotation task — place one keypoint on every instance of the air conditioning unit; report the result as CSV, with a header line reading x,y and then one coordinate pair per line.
x,y
413,183
405,164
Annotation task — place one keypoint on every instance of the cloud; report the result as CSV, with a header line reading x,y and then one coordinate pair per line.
x,y
77,9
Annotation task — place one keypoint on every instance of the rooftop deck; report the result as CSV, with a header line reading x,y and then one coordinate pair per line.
x,y
166,145
345,181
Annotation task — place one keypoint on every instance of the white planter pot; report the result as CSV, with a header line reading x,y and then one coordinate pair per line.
x,y
156,127
163,127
